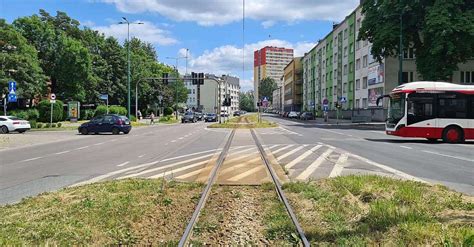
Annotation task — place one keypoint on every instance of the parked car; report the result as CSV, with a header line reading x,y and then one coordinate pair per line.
x,y
307,116
199,116
210,117
106,123
237,113
293,114
189,117
11,123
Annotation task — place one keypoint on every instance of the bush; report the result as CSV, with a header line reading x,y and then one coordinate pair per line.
x,y
47,125
100,110
133,118
44,109
168,111
33,114
53,125
149,111
120,110
39,125
87,114
19,114
59,125
33,124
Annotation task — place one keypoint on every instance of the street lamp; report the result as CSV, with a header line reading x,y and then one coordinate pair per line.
x,y
128,60
176,83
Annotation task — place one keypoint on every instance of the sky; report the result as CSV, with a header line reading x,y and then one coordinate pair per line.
x,y
211,30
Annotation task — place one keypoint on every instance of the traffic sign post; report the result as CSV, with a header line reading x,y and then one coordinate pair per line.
x,y
106,98
325,109
52,100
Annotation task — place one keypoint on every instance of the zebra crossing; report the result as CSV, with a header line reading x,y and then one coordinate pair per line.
x,y
277,131
301,162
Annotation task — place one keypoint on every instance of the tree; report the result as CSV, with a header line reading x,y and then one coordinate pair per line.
x,y
440,31
246,101
266,87
23,61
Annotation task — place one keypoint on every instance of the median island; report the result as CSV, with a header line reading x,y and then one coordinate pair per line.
x,y
247,121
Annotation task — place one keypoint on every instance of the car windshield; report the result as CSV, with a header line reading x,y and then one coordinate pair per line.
x,y
14,118
396,110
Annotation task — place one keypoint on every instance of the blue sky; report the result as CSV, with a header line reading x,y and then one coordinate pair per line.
x,y
210,29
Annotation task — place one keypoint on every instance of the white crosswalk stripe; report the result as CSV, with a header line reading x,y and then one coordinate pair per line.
x,y
311,168
178,169
302,157
291,152
283,148
337,169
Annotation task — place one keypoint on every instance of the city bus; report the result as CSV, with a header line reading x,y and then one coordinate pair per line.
x,y
431,110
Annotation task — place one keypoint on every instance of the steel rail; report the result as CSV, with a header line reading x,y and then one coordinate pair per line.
x,y
202,201
280,193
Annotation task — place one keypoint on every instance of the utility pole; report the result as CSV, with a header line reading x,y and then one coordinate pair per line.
x,y
400,58
128,61
176,84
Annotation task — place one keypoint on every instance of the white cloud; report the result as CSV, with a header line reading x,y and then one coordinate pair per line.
x,y
268,24
88,23
220,12
227,59
147,32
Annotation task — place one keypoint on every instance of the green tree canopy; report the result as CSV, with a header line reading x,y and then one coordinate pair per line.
x,y
246,101
266,87
440,31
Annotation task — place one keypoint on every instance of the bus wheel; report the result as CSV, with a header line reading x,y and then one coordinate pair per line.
x,y
453,135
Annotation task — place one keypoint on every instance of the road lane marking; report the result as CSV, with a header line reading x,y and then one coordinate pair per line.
x,y
173,141
449,156
187,155
178,169
245,174
124,163
303,156
311,168
166,166
82,148
406,147
283,148
63,152
181,138
337,169
291,152
390,169
98,144
141,156
35,158
187,175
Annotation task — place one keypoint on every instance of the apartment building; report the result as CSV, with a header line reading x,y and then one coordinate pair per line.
x,y
293,85
270,62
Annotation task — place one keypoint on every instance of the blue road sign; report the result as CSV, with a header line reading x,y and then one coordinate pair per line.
x,y
104,96
343,100
325,108
11,86
12,97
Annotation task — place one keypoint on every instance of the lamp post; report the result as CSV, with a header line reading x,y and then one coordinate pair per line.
x,y
128,60
176,84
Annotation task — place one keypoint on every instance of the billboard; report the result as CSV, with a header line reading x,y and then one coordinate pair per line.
x,y
376,74
374,93
73,110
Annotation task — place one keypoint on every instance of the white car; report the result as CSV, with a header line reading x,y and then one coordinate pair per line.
x,y
293,114
11,123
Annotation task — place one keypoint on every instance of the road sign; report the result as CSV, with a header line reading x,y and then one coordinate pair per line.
x,y
12,97
11,86
104,96
52,96
343,100
325,108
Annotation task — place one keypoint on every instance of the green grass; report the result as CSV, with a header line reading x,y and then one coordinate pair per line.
x,y
110,213
371,210
248,121
168,120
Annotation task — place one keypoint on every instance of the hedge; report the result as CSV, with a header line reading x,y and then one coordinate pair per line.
x,y
168,111
44,108
113,109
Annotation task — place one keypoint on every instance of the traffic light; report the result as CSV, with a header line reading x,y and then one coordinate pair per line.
x,y
201,79
165,78
194,78
226,102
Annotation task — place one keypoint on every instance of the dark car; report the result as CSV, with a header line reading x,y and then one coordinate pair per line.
x,y
106,123
199,116
307,116
189,117
237,113
210,117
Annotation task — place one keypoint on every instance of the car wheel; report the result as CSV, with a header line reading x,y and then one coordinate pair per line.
x,y
453,135
115,131
126,132
21,131
4,130
84,131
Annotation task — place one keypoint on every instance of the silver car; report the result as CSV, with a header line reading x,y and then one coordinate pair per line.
x,y
11,123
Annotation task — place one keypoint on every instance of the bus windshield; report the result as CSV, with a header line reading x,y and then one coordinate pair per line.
x,y
396,110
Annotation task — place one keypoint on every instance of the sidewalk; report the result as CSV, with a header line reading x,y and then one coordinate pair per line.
x,y
333,121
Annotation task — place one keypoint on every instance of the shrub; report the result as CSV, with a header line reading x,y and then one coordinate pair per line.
x,y
53,125
33,114
33,124
133,118
44,109
20,114
39,125
168,111
100,110
59,125
149,111
88,114
120,110
47,125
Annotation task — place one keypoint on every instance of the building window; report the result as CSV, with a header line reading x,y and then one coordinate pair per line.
x,y
335,74
364,61
351,48
345,51
345,33
351,67
345,69
467,76
364,82
344,88
409,53
407,77
357,106
335,57
358,24
351,86
357,45
364,103
335,90
358,64
351,29
357,84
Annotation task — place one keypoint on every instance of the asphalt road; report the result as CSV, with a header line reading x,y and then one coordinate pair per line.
x,y
440,163
35,169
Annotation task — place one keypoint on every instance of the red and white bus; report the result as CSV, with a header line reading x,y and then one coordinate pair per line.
x,y
432,110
